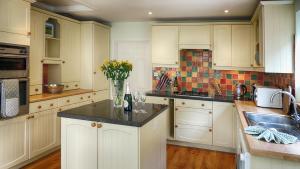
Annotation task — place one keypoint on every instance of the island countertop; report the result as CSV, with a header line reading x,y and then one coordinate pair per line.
x,y
104,111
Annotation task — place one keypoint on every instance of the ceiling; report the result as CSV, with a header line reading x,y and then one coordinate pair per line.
x,y
137,10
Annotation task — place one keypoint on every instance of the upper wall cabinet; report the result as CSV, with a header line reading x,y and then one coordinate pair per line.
x,y
276,29
232,47
15,21
195,37
94,51
165,45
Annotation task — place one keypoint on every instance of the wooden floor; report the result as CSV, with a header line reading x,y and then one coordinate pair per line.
x,y
178,158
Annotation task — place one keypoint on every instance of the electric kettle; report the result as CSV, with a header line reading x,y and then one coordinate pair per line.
x,y
241,90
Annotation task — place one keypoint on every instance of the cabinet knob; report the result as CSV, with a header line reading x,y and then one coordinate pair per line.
x,y
215,64
94,93
165,99
59,109
67,86
99,125
233,105
183,103
210,112
81,98
202,105
93,124
51,105
30,117
95,73
89,96
63,61
210,130
251,65
176,63
42,61
36,89
39,107
176,109
176,126
76,85
68,101
28,33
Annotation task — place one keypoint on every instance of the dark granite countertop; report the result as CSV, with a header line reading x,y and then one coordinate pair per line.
x,y
168,94
104,111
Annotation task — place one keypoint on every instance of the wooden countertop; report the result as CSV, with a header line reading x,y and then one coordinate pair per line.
x,y
48,96
261,148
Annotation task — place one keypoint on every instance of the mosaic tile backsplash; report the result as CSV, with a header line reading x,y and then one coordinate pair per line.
x,y
196,74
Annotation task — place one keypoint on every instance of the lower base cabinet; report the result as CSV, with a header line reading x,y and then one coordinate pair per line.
x,y
13,142
42,132
94,145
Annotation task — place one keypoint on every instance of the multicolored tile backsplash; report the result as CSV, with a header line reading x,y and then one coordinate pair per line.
x,y
196,74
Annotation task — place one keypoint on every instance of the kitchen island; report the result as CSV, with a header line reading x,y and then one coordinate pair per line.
x,y
99,136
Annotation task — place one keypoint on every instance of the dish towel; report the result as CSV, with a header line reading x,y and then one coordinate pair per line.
x,y
270,135
9,97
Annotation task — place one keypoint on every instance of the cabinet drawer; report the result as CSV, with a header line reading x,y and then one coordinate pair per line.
x,y
157,100
100,95
35,89
67,100
44,105
193,103
189,116
194,134
71,85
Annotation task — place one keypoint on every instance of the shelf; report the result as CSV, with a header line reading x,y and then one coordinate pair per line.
x,y
49,38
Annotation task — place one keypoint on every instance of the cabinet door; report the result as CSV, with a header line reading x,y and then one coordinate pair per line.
x,y
13,142
101,95
222,45
165,45
193,134
101,54
79,144
241,45
37,47
195,35
223,125
42,132
15,16
117,147
70,51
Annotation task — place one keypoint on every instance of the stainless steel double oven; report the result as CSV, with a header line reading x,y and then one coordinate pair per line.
x,y
14,64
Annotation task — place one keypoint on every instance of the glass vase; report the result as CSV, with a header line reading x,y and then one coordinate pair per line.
x,y
118,92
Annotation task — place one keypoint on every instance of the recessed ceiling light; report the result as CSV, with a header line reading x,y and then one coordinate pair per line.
x,y
226,11
150,13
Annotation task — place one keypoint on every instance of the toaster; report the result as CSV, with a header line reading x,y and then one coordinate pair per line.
x,y
262,96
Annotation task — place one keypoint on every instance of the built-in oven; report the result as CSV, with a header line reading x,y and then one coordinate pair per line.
x,y
14,62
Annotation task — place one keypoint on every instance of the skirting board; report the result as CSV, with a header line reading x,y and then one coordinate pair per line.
x,y
202,146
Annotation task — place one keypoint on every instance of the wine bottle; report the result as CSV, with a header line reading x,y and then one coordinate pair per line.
x,y
127,99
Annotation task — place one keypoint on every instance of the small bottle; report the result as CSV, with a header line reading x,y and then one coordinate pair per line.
x,y
175,85
127,99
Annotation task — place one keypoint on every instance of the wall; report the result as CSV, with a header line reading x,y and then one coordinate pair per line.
x,y
196,74
131,41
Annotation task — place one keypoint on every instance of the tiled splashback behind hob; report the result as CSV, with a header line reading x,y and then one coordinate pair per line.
x,y
196,74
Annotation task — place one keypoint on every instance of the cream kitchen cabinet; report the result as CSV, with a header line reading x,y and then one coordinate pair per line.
x,y
157,100
101,95
13,142
165,50
224,124
94,51
70,53
241,46
15,21
276,35
37,51
232,47
222,46
195,37
111,146
42,132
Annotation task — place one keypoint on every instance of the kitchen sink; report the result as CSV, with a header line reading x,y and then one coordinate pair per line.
x,y
281,123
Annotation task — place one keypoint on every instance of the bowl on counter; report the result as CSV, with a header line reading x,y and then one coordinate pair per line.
x,y
54,88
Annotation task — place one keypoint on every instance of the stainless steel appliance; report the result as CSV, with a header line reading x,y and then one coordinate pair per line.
x,y
23,98
241,90
263,94
13,61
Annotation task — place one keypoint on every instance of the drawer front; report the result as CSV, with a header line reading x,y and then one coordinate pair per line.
x,y
189,116
44,105
193,103
36,89
194,134
67,101
71,86
100,95
157,100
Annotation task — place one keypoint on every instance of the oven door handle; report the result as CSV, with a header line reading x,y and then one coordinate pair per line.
x,y
12,56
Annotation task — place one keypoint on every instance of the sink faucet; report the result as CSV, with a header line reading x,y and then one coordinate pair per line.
x,y
295,116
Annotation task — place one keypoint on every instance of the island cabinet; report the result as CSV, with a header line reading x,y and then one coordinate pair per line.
x,y
98,145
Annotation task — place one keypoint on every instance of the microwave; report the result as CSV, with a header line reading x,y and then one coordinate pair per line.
x,y
262,97
14,61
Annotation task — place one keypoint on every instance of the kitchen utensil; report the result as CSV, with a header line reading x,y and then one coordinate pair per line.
x,y
54,88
